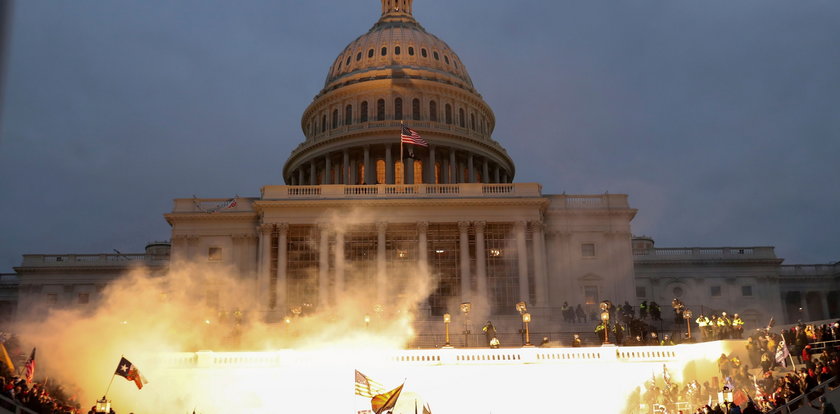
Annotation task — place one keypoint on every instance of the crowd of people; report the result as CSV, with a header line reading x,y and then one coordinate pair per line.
x,y
771,377
39,397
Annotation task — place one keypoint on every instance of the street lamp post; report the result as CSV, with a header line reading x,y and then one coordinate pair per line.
x,y
605,317
103,405
526,319
687,314
465,308
447,318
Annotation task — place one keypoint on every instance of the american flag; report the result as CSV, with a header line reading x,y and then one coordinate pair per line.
x,y
410,136
367,387
29,367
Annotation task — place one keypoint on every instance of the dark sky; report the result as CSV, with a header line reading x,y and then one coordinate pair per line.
x,y
719,118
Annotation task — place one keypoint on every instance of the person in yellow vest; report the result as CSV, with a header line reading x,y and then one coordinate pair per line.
x,y
737,326
703,323
724,326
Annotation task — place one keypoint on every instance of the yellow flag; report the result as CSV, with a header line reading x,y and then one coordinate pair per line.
x,y
6,359
387,401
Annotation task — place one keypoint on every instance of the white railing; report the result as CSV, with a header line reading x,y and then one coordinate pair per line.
x,y
92,259
340,191
723,252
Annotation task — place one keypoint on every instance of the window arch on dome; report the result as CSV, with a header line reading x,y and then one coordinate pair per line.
x,y
335,119
415,109
348,114
370,53
446,59
397,50
435,54
433,116
472,122
424,53
380,110
384,50
410,51
448,114
348,60
358,56
323,123
461,121
398,109
363,112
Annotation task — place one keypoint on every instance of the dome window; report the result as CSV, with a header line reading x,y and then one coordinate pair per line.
x,y
461,122
370,53
448,113
433,111
348,114
446,59
335,119
396,50
358,56
424,53
472,121
363,111
415,109
323,123
410,51
384,51
380,110
398,110
435,54
348,61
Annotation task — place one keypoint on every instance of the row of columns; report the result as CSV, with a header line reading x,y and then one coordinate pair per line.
x,y
451,168
276,287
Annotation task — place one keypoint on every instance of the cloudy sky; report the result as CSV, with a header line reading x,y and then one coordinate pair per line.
x,y
719,118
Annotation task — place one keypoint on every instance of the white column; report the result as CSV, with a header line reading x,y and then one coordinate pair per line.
x,y
265,264
522,259
541,278
366,179
481,260
381,288
323,267
338,288
422,246
282,264
464,246
470,178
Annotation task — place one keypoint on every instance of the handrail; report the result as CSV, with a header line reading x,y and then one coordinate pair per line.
x,y
16,408
819,346
786,407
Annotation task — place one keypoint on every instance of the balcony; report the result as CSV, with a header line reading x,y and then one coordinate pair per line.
x,y
93,260
728,253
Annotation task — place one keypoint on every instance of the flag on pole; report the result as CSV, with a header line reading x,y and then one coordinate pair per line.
x,y
410,136
387,401
130,372
6,359
782,352
427,409
29,367
367,387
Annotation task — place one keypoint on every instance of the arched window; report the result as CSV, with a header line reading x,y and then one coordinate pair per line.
x,y
380,171
323,123
348,115
398,172
339,67
446,59
437,173
448,113
380,110
384,50
396,50
461,121
433,111
455,62
424,53
363,112
415,109
435,54
472,121
398,112
348,61
360,174
358,56
410,51
370,53
335,119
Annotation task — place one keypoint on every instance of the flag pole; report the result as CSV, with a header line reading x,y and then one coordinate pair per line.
x,y
109,385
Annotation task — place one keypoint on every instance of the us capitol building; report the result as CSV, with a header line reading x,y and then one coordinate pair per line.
x,y
353,212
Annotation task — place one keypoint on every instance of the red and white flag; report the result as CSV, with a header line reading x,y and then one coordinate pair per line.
x,y
29,367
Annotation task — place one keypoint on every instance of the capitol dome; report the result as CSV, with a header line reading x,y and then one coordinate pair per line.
x,y
397,73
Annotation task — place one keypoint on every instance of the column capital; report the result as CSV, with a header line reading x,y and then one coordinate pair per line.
x,y
479,226
381,226
265,228
422,226
520,225
536,225
283,227
464,226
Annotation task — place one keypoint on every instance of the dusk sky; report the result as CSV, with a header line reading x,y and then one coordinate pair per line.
x,y
720,119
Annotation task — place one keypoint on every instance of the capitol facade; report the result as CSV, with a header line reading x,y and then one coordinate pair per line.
x,y
358,209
